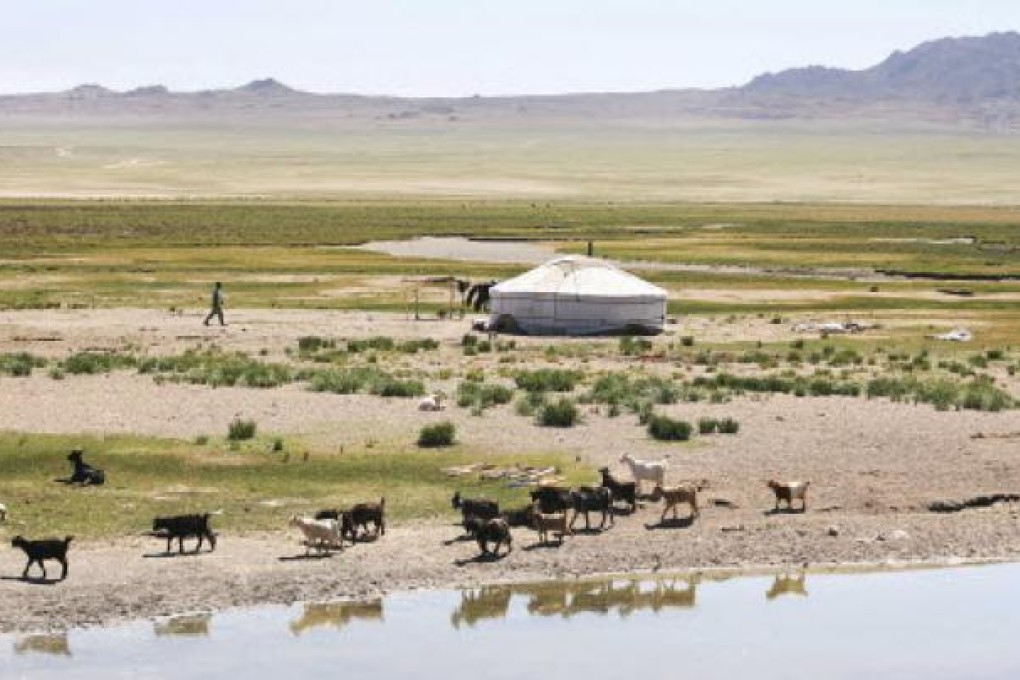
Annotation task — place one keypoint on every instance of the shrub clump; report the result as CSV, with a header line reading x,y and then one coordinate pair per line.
x,y
240,430
440,434
547,380
707,425
728,426
480,396
20,364
560,413
91,363
665,428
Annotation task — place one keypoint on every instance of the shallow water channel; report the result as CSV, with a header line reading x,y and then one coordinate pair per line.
x,y
947,623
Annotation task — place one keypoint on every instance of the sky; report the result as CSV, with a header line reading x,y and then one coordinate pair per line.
x,y
462,47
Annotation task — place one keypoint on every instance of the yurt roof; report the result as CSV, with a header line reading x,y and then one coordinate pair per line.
x,y
577,275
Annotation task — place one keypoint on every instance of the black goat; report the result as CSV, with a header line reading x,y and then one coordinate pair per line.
x,y
622,491
183,526
359,516
592,499
493,531
330,513
84,473
552,499
519,518
47,549
474,509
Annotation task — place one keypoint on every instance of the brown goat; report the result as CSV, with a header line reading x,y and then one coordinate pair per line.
x,y
674,496
545,524
790,491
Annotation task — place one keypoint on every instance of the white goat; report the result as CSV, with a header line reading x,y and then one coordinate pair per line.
x,y
433,402
319,533
3,512
653,471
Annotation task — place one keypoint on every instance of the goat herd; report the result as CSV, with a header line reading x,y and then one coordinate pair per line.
x,y
552,506
481,518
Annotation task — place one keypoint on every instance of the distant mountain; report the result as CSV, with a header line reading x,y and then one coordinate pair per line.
x,y
950,69
972,82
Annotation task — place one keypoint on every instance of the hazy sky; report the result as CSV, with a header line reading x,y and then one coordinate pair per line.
x,y
461,47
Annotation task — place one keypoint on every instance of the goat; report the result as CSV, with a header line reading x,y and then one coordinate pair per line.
x,y
3,512
360,515
433,402
520,517
183,526
474,511
552,499
589,499
494,531
641,470
84,473
674,496
40,551
789,491
545,524
622,491
319,533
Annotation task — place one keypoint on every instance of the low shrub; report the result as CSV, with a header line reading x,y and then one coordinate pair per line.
x,y
547,380
728,426
480,396
92,363
20,364
707,425
665,428
560,413
240,430
440,434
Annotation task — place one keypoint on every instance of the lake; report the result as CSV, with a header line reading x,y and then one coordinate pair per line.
x,y
933,623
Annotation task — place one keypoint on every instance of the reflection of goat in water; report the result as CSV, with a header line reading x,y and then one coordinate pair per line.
x,y
55,644
488,602
478,295
196,625
336,614
786,584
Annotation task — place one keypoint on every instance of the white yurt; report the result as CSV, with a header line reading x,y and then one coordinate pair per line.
x,y
576,295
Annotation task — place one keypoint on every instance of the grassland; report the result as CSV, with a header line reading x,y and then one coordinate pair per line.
x,y
255,487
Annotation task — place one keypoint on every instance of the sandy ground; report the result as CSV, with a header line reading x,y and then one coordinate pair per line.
x,y
874,468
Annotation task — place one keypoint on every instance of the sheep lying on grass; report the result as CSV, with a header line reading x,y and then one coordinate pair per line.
x,y
674,496
790,491
40,551
433,402
321,534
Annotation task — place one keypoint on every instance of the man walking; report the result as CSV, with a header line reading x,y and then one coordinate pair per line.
x,y
217,305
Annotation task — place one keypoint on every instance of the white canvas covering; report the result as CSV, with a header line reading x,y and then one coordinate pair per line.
x,y
576,295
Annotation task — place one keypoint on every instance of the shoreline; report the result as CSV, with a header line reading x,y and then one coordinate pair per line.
x,y
130,579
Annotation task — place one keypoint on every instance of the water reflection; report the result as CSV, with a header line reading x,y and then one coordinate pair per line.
x,y
624,597
189,625
54,644
336,614
787,584
487,602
